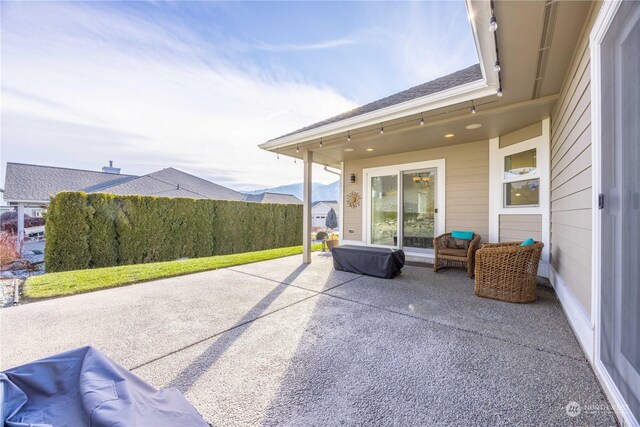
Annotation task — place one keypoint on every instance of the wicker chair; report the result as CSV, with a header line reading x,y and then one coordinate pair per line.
x,y
507,271
453,257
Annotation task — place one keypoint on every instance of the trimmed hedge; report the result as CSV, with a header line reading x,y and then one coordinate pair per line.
x,y
103,230
67,231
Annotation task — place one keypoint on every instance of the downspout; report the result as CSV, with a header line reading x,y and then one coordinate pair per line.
x,y
326,168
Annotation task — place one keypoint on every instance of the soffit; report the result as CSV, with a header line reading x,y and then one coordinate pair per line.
x,y
406,136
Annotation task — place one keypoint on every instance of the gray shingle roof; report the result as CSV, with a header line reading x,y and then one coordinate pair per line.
x,y
149,186
38,183
459,78
331,204
273,198
196,184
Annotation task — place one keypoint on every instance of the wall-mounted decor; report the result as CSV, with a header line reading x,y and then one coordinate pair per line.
x,y
354,199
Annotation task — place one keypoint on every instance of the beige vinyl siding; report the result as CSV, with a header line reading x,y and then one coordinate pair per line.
x,y
466,183
520,135
571,192
520,227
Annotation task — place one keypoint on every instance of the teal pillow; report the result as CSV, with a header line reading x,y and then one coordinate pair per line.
x,y
465,235
528,242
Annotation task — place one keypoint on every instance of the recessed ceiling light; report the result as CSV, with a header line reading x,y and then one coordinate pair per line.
x,y
369,149
450,135
348,149
473,126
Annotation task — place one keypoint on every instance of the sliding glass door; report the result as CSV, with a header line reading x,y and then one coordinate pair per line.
x,y
384,210
402,206
418,209
619,329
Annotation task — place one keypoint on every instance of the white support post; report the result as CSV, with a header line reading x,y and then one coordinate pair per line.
x,y
20,228
307,157
495,189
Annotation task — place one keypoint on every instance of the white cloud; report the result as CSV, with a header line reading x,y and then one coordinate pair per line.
x,y
288,47
171,100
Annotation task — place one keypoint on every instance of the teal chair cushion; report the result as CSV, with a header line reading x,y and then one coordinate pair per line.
x,y
465,235
528,242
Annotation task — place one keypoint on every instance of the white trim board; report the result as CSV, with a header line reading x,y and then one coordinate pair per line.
x,y
419,257
578,318
618,403
28,202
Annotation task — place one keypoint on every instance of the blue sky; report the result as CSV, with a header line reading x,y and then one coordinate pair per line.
x,y
197,85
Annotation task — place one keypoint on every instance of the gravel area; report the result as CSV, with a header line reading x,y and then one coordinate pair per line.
x,y
7,288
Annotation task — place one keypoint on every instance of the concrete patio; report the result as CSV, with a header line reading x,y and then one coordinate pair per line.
x,y
283,343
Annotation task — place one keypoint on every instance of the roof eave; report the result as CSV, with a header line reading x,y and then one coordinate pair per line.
x,y
38,202
479,13
465,92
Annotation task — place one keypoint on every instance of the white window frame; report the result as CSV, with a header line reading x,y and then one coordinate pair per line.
x,y
516,149
438,164
542,145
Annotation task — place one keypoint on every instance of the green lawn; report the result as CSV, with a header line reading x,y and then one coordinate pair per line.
x,y
79,281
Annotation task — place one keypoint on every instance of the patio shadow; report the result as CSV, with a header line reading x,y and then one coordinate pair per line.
x,y
188,376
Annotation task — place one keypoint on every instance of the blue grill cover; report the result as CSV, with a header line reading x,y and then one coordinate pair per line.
x,y
83,387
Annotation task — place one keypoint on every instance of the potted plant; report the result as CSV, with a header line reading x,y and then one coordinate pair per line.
x,y
333,241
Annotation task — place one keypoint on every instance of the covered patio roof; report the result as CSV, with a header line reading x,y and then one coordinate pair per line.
x,y
534,63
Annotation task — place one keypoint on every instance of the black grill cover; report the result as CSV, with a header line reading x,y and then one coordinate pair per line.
x,y
376,262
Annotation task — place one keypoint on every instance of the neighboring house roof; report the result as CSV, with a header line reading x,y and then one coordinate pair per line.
x,y
459,78
38,183
273,198
329,204
149,186
196,184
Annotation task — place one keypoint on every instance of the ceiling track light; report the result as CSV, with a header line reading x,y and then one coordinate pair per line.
x,y
421,120
496,67
320,142
493,24
297,148
349,136
473,108
381,129
499,92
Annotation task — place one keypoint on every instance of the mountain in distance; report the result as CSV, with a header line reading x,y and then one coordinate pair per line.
x,y
320,191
